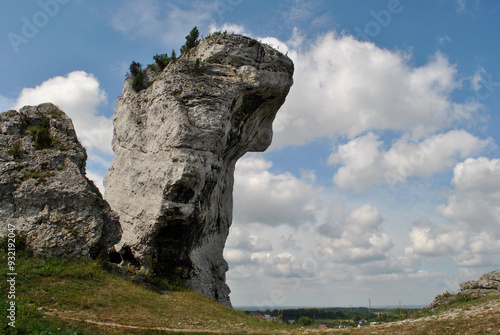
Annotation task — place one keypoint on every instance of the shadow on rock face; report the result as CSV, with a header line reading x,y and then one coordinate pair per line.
x,y
176,144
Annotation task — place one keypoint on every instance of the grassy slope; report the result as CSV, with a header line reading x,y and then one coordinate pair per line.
x,y
55,295
481,316
80,297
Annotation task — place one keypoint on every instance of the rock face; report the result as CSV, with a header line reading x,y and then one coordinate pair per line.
x,y
43,188
176,144
488,284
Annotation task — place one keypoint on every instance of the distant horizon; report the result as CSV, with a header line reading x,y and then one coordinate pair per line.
x,y
253,308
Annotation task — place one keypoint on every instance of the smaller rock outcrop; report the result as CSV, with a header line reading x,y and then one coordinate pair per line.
x,y
488,284
43,188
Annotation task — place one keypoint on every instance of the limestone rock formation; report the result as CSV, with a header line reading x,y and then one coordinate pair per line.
x,y
488,281
176,144
488,284
43,188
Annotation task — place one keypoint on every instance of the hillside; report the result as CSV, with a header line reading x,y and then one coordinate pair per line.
x,y
481,316
55,296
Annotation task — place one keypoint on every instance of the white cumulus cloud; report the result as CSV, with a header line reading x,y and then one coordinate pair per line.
x,y
471,235
78,94
277,265
356,237
230,28
363,161
476,198
345,86
241,245
456,243
271,199
431,240
481,174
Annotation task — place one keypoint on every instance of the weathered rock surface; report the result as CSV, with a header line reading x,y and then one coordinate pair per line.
x,y
44,191
488,281
176,144
488,284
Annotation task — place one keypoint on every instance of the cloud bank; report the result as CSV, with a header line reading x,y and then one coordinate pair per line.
x,y
347,87
390,122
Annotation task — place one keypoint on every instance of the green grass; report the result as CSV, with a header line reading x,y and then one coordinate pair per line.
x,y
431,322
40,134
55,296
41,176
56,114
16,149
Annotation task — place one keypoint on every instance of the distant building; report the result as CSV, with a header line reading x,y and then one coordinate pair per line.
x,y
345,325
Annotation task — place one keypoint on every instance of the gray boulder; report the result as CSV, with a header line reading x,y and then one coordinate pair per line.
x,y
488,281
488,284
176,144
43,188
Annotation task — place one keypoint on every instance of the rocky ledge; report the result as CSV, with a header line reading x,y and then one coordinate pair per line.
x,y
488,284
43,188
176,144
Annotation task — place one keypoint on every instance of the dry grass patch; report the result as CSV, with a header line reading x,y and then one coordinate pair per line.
x,y
56,296
80,297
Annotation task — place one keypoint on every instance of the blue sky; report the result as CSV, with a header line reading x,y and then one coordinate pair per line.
x,y
383,179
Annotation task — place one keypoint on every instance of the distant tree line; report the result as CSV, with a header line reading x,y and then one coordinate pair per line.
x,y
339,313
323,313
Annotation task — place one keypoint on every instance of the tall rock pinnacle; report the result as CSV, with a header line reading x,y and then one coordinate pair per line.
x,y
176,144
